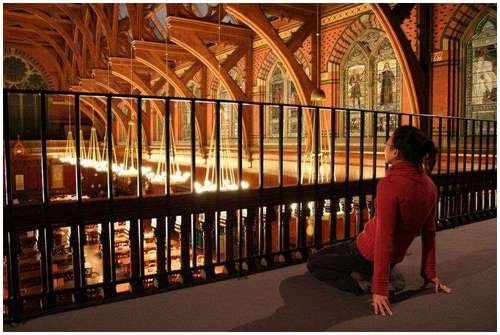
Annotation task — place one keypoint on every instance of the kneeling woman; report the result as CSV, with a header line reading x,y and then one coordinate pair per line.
x,y
405,205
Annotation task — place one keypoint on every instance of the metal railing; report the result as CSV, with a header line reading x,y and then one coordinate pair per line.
x,y
199,237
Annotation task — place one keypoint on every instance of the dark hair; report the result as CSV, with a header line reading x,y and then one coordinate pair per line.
x,y
415,147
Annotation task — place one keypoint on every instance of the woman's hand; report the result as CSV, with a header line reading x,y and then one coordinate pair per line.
x,y
381,305
438,285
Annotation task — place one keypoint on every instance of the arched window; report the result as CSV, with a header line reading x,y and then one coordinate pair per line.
x,y
481,71
280,89
371,80
185,109
23,108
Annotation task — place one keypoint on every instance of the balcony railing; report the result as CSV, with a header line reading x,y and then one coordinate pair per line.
x,y
299,196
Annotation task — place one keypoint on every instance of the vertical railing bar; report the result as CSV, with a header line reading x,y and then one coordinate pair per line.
x,y
493,165
456,186
139,146
160,250
193,145
480,179
240,144
486,168
15,305
43,119
280,145
112,251
439,175
472,205
464,187
361,191
411,120
261,146
333,198
217,145
448,160
217,235
170,224
317,149
109,144
374,159
387,117
400,122
299,147
167,145
194,219
78,149
6,138
347,205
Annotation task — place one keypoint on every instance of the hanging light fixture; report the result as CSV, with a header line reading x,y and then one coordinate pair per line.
x,y
69,155
19,147
227,173
318,96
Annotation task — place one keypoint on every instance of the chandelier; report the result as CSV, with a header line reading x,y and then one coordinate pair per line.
x,y
227,174
93,155
69,151
160,177
102,165
323,152
128,167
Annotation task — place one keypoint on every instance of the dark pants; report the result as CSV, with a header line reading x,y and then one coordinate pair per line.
x,y
334,264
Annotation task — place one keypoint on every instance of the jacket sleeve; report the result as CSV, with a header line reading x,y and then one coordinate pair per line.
x,y
386,216
428,268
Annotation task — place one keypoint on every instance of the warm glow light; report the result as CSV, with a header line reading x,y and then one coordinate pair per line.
x,y
226,186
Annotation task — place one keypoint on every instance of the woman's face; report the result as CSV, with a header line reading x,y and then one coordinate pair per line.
x,y
390,152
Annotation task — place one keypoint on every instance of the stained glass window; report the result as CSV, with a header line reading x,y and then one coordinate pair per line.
x,y
371,80
481,82
282,90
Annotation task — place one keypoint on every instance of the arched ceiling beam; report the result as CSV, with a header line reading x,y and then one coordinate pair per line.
x,y
80,25
413,73
253,17
184,32
103,20
189,74
54,25
401,11
154,62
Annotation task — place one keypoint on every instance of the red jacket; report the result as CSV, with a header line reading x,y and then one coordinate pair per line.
x,y
406,204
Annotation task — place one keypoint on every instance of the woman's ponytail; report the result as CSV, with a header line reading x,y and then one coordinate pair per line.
x,y
415,147
429,158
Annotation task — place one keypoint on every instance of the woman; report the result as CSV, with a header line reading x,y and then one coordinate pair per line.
x,y
405,205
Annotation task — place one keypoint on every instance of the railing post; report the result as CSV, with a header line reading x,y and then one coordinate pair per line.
x,y
231,218
333,198
299,147
217,145
472,187
302,234
261,147
374,161
464,182
43,128
270,216
105,237
240,144
479,180
317,149
15,302
318,222
361,197
285,223
207,244
109,135
6,139
160,233
184,241
280,146
135,256
139,147
78,149
249,229
347,206
167,146
193,145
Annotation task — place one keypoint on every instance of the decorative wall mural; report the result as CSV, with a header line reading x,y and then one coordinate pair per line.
x,y
371,80
481,83
282,90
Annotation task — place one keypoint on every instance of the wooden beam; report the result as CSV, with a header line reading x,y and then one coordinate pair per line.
x,y
235,57
193,69
301,12
401,11
252,16
193,44
300,35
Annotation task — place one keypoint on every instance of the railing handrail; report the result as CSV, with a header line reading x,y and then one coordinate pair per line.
x,y
244,102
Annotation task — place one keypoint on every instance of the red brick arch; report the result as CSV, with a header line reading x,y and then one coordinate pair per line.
x,y
459,22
